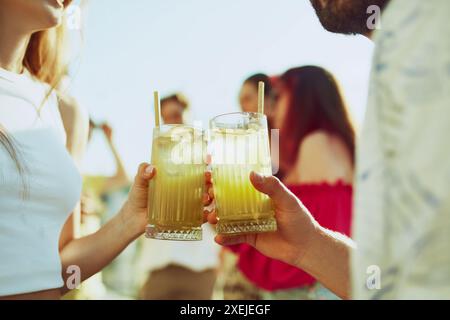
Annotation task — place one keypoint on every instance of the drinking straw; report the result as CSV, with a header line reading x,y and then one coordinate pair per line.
x,y
261,97
157,104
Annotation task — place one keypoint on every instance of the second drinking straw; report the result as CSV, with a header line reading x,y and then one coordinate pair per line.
x,y
157,104
261,97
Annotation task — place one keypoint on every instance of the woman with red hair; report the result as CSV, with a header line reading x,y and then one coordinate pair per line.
x,y
316,162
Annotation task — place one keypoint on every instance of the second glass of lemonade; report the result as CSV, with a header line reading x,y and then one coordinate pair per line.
x,y
175,193
239,145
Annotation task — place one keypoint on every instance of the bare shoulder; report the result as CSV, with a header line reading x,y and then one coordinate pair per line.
x,y
316,141
76,124
324,157
71,111
315,153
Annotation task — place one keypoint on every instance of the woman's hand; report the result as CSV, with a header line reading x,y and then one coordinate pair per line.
x,y
296,226
208,196
134,211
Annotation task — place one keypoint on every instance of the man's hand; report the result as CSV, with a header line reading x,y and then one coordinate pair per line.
x,y
295,225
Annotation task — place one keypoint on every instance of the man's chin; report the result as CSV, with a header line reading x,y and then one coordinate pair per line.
x,y
345,16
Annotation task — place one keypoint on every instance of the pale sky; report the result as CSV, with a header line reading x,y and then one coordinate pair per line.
x,y
204,49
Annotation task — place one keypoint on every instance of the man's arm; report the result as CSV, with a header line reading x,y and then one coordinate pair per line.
x,y
328,260
299,239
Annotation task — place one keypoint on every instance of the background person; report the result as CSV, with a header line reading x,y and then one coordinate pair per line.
x,y
173,108
102,197
248,96
317,142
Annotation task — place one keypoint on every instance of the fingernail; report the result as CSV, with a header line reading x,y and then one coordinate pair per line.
x,y
149,170
257,177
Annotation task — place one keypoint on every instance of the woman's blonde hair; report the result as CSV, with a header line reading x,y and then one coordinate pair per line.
x,y
46,57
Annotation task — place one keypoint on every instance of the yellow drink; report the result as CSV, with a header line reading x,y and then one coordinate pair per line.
x,y
240,145
175,193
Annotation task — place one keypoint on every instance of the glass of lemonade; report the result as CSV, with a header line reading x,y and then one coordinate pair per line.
x,y
239,145
175,210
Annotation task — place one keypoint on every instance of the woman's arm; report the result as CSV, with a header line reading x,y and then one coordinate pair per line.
x,y
92,253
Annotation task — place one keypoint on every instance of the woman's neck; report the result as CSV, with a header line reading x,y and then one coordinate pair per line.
x,y
13,47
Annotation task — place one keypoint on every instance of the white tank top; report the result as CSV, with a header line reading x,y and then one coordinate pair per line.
x,y
34,209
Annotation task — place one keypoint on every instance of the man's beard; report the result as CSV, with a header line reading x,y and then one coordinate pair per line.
x,y
345,16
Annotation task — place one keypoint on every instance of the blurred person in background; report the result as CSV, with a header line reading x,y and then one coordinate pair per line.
x,y
41,183
173,108
102,197
177,270
98,188
317,146
248,96
248,100
119,180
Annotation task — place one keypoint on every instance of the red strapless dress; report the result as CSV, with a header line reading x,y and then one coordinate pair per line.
x,y
331,206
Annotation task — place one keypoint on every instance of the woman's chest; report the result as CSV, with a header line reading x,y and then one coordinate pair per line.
x,y
48,182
